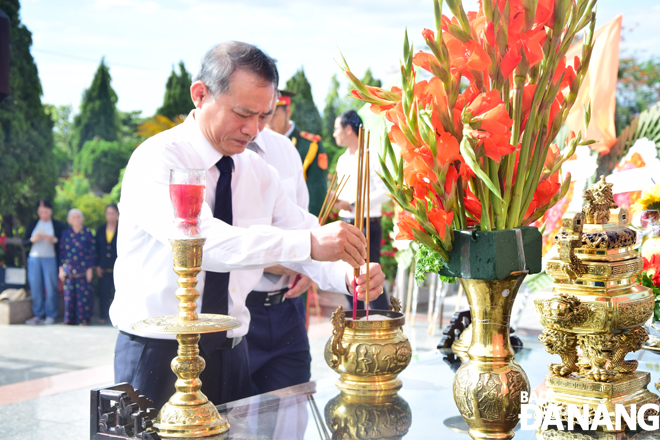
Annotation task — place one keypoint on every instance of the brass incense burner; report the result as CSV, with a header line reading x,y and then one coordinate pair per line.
x,y
382,418
368,354
188,413
597,307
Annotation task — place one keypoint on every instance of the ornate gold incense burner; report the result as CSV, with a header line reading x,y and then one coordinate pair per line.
x,y
368,354
595,305
383,418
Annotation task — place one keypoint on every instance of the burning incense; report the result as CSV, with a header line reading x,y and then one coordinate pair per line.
x,y
362,196
367,185
329,202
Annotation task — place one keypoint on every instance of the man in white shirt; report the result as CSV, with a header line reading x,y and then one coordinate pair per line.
x,y
278,344
346,135
233,95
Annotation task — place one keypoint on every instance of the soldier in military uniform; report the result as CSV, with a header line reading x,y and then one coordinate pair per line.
x,y
310,148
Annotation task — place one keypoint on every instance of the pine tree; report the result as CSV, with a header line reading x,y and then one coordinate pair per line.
x,y
303,110
369,80
98,111
177,99
27,168
330,112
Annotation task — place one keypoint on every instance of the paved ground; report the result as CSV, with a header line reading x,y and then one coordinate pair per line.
x,y
46,372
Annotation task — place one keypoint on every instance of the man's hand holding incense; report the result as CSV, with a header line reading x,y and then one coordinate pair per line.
x,y
339,241
376,282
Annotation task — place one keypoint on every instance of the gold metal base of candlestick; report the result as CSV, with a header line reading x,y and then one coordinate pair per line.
x,y
176,421
627,390
188,413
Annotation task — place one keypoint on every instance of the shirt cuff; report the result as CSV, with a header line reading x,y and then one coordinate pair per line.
x,y
296,246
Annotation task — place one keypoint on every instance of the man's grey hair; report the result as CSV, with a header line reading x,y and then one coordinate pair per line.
x,y
73,211
220,63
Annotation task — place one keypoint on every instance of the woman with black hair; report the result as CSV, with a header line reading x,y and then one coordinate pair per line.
x,y
106,254
42,236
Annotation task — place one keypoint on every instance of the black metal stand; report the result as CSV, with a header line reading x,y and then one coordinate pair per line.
x,y
119,412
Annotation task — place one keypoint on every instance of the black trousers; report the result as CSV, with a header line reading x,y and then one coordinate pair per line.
x,y
279,346
106,294
375,236
145,364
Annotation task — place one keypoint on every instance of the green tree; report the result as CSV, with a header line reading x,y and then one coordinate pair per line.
x,y
27,166
75,192
102,161
129,122
98,111
638,87
303,110
332,108
369,80
62,130
177,99
115,194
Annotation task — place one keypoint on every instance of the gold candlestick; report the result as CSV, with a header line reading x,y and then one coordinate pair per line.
x,y
188,413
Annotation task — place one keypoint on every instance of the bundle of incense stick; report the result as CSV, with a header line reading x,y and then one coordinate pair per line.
x,y
362,214
331,196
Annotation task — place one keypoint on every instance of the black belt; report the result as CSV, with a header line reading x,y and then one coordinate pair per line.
x,y
351,221
266,299
229,343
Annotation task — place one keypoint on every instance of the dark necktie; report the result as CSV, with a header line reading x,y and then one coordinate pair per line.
x,y
216,286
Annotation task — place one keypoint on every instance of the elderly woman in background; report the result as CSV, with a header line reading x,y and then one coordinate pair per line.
x,y
106,254
78,258
42,236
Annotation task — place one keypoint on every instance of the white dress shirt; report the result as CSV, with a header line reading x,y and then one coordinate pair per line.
x,y
347,166
268,229
279,152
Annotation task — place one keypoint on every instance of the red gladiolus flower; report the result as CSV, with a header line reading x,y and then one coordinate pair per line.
x,y
510,61
419,175
406,226
424,60
545,191
448,148
494,132
440,220
553,155
472,204
428,34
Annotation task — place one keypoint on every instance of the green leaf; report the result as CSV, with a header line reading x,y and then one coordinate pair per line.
x,y
428,260
471,159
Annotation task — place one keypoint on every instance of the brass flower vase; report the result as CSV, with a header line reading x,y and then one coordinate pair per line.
x,y
487,388
491,266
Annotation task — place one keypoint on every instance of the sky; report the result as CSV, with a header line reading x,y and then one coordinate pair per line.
x,y
142,40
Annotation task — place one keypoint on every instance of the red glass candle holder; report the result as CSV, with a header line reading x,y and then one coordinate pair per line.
x,y
187,191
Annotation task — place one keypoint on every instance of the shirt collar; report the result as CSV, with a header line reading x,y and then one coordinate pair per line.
x,y
290,130
260,141
209,155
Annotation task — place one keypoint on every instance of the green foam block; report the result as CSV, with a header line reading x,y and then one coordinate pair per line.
x,y
494,255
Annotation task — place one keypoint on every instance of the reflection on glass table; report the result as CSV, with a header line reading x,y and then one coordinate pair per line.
x,y
424,408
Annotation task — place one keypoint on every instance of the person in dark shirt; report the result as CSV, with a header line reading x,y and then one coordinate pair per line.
x,y
76,270
106,254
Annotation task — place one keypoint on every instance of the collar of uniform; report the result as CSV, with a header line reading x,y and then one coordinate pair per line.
x,y
209,155
290,130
